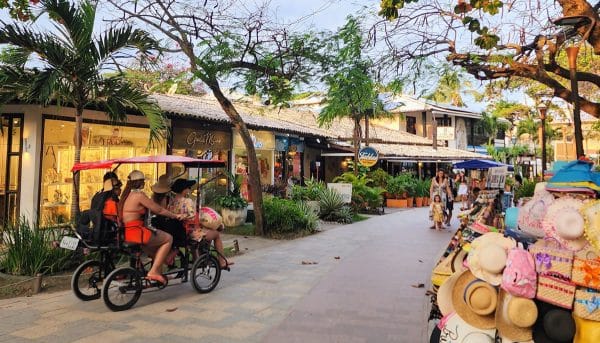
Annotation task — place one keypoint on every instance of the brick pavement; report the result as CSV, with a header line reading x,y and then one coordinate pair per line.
x,y
365,296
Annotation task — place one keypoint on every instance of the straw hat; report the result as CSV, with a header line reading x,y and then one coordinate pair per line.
x,y
454,329
591,215
487,257
554,324
564,223
515,317
136,175
586,331
475,301
444,293
163,185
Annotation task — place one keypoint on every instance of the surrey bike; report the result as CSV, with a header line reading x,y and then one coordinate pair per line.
x,y
122,287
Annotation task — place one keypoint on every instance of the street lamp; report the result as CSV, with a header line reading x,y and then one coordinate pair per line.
x,y
573,43
543,108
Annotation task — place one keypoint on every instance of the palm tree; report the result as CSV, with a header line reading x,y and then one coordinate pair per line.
x,y
492,124
70,66
528,126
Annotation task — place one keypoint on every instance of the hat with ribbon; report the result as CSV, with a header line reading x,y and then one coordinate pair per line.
x,y
454,329
553,325
487,257
515,317
474,300
565,223
532,213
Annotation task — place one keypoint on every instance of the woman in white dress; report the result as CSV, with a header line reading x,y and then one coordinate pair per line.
x,y
463,189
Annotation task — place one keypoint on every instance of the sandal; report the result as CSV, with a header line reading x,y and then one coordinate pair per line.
x,y
226,266
160,279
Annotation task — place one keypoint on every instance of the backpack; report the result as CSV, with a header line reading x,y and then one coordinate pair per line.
x,y
92,225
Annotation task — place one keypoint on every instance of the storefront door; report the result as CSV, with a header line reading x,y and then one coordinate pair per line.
x,y
10,167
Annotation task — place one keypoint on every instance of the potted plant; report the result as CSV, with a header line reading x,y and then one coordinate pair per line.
x,y
314,191
411,188
234,208
426,188
419,192
396,188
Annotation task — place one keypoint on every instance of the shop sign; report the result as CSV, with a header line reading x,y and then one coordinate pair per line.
x,y
201,139
445,133
344,189
496,177
281,143
368,156
263,140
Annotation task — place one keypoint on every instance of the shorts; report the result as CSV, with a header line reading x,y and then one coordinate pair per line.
x,y
136,232
173,227
463,189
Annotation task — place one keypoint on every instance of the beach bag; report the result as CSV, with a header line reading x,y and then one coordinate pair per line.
x,y
555,291
587,304
586,269
210,219
551,259
519,277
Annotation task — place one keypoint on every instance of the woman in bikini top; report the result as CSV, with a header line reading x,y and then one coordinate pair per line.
x,y
132,209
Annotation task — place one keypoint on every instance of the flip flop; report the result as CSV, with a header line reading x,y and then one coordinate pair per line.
x,y
160,279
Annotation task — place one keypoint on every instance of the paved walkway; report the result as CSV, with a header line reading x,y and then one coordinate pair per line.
x,y
364,296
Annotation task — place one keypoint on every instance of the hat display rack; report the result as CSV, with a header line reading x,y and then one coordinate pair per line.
x,y
536,280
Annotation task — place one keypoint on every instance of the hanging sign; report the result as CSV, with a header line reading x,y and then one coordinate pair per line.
x,y
496,177
368,156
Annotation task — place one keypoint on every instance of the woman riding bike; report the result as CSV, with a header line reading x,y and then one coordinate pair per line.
x,y
133,207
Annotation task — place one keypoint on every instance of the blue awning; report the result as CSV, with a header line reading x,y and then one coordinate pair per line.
x,y
481,164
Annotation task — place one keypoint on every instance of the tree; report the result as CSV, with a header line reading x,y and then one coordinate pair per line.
x,y
448,90
530,127
492,124
231,41
351,90
515,44
69,69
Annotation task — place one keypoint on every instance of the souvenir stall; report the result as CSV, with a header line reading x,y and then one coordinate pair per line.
x,y
538,280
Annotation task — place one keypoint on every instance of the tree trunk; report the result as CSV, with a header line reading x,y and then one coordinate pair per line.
x,y
357,136
254,172
77,159
367,129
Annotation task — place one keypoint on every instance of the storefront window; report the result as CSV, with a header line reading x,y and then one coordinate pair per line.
x,y
288,155
10,167
205,142
264,143
100,142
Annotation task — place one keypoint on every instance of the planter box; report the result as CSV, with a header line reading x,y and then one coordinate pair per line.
x,y
419,202
410,202
233,218
399,203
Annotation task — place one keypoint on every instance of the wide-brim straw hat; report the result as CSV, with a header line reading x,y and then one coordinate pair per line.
x,y
163,185
475,300
515,317
591,216
444,293
487,256
565,223
454,329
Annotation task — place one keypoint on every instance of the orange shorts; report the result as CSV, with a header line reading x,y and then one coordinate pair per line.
x,y
135,232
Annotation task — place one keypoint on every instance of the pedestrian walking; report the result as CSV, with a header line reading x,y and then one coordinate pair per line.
x,y
437,212
463,190
439,186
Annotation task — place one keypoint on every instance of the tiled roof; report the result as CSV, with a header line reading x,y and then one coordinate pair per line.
x,y
425,152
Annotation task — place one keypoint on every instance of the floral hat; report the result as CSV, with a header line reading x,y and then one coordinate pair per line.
x,y
565,223
454,329
533,212
487,256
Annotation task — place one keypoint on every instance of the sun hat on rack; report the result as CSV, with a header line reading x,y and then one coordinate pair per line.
x,y
474,300
586,331
553,325
565,223
591,217
444,293
515,317
487,256
532,213
454,329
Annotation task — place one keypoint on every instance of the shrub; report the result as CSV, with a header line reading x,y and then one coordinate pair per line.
x,y
331,202
344,215
284,216
525,190
379,178
31,250
232,202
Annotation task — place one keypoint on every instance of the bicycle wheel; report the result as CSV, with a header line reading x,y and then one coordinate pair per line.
x,y
206,273
87,279
122,289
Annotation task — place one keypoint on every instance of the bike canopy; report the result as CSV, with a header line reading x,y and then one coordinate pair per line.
x,y
187,161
